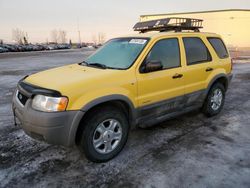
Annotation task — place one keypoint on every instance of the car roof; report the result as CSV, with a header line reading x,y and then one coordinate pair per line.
x,y
172,34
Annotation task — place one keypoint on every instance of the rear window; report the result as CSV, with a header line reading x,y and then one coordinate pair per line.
x,y
219,47
196,51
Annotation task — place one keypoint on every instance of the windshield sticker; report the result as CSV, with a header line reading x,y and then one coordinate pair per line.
x,y
137,41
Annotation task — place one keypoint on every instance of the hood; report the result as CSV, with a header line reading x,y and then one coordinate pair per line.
x,y
66,77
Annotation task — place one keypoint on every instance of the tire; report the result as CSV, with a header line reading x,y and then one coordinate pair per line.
x,y
98,127
209,109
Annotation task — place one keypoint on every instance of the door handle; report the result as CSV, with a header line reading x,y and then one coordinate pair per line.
x,y
177,76
209,69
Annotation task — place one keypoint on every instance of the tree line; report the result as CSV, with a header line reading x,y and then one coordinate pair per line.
x,y
56,36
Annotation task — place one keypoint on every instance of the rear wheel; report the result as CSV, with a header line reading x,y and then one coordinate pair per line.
x,y
215,100
105,134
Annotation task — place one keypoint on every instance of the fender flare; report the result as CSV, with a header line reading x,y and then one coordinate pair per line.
x,y
109,98
78,117
218,76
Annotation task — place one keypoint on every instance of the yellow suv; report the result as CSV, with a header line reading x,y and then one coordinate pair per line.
x,y
137,80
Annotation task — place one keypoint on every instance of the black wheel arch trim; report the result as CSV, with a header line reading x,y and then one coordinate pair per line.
x,y
218,76
95,102
110,98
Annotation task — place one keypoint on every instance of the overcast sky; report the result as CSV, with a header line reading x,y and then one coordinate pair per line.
x,y
112,17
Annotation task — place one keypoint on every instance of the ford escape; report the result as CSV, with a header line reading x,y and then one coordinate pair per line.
x,y
137,80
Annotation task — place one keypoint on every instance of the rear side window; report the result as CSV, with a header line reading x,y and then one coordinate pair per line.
x,y
167,51
219,47
196,51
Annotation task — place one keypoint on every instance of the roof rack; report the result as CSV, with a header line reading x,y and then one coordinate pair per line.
x,y
169,24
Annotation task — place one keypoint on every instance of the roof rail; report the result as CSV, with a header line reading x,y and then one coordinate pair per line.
x,y
169,24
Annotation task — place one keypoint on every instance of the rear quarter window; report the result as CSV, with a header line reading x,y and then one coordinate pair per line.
x,y
219,47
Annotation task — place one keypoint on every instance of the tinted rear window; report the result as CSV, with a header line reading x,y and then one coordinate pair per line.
x,y
196,51
219,47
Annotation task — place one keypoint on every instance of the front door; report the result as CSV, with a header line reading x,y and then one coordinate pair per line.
x,y
162,91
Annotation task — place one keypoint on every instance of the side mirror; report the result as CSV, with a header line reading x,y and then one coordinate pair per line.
x,y
152,66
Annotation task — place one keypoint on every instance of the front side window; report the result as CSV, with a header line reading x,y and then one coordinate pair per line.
x,y
167,52
196,51
118,53
219,47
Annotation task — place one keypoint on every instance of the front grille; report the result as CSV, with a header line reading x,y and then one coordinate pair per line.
x,y
22,98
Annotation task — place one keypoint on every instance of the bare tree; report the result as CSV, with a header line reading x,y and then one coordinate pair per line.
x,y
58,36
101,38
26,39
62,36
19,36
1,41
16,35
54,36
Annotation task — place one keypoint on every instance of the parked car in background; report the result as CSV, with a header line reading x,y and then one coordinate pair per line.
x,y
41,47
52,47
2,49
19,48
11,48
63,46
32,47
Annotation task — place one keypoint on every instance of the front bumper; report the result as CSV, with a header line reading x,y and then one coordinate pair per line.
x,y
52,127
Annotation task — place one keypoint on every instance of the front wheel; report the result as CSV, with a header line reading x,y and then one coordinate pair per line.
x,y
215,100
105,134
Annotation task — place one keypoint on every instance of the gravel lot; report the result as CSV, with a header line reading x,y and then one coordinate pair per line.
x,y
189,151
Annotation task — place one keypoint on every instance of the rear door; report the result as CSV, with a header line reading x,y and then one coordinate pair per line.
x,y
199,65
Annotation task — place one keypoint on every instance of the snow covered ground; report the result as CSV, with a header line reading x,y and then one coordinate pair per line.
x,y
189,151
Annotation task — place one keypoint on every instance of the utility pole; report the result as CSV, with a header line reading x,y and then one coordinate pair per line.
x,y
79,33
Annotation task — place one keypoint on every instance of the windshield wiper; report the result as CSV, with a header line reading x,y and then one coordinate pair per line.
x,y
84,63
116,68
97,65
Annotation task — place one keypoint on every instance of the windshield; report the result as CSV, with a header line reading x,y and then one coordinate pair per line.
x,y
118,53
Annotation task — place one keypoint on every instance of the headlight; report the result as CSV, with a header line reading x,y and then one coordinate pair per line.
x,y
49,104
